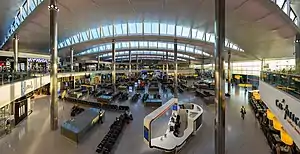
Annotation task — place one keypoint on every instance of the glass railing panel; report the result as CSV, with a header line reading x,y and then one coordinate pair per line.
x,y
289,83
9,77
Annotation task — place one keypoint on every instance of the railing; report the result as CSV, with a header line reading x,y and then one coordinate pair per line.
x,y
11,77
288,83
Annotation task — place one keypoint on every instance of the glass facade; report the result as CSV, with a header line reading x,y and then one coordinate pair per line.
x,y
254,67
152,45
148,57
147,53
146,28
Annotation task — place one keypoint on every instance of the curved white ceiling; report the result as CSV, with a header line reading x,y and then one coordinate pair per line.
x,y
265,32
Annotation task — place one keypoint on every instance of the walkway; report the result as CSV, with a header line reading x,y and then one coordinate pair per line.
x,y
33,136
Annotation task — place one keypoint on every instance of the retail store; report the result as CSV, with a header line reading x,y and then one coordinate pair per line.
x,y
38,64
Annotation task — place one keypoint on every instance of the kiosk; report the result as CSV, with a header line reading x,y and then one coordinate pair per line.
x,y
76,128
191,115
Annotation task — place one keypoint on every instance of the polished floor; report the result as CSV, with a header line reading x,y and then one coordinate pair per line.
x,y
33,135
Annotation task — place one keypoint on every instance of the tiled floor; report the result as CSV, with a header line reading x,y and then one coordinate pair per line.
x,y
33,136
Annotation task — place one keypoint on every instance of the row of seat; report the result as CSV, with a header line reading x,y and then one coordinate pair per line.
x,y
99,105
111,137
135,97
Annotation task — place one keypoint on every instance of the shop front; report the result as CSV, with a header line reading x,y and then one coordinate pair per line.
x,y
38,64
7,64
284,107
20,109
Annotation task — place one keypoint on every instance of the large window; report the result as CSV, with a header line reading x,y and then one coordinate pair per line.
x,y
142,28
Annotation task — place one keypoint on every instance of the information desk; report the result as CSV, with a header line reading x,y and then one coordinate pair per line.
x,y
75,128
153,102
190,114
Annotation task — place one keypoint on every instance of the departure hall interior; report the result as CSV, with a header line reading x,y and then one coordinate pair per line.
x,y
149,76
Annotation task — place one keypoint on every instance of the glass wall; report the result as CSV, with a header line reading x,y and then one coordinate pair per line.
x,y
253,67
283,66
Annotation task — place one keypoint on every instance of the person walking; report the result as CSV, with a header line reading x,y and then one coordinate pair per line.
x,y
243,112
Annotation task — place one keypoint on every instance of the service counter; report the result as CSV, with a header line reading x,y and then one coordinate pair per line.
x,y
190,120
76,128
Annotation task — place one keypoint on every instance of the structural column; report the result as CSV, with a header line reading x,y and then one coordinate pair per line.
x,y
175,70
202,66
219,77
98,64
262,68
129,62
163,66
114,65
229,73
72,58
167,64
297,53
53,74
16,51
137,64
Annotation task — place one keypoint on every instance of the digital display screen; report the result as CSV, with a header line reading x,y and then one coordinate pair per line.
x,y
174,108
130,89
146,133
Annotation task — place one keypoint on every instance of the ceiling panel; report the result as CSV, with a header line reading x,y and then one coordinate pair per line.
x,y
263,32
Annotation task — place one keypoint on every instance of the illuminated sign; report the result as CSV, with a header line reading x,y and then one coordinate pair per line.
x,y
38,60
292,119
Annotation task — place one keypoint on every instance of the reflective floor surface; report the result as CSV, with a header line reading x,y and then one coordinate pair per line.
x,y
33,135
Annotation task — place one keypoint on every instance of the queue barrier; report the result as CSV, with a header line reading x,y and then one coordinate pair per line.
x,y
104,106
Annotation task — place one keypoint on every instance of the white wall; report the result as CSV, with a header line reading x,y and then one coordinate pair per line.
x,y
11,92
269,94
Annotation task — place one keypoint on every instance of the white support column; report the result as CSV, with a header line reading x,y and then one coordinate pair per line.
x,y
114,65
72,58
16,51
129,63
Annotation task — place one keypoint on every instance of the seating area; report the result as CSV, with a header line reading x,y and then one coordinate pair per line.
x,y
276,136
123,96
203,93
76,110
135,97
110,107
108,142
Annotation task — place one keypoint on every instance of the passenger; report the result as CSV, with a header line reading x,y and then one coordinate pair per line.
x,y
243,112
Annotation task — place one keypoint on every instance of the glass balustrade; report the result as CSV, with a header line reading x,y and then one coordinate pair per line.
x,y
10,77
288,83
